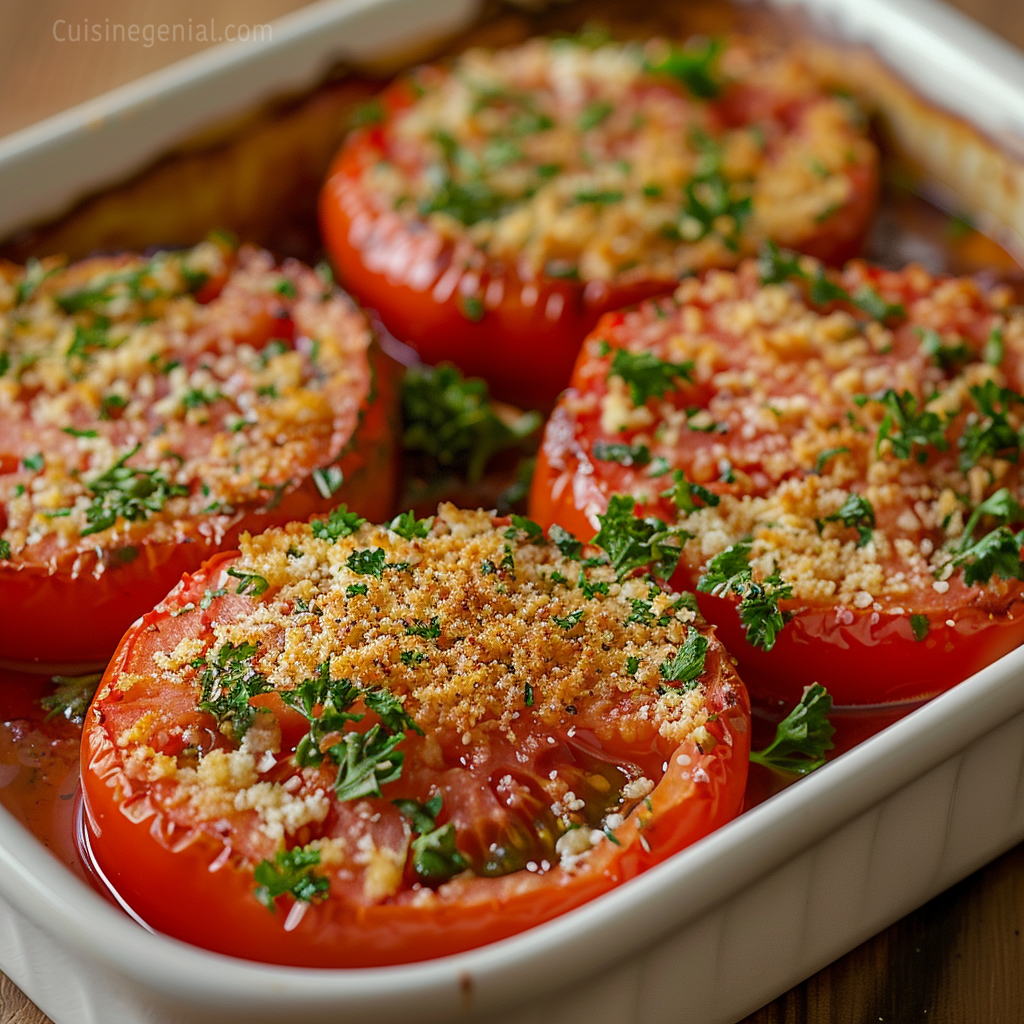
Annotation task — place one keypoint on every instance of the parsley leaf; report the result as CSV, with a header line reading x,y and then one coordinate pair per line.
x,y
290,873
594,114
72,697
949,357
991,435
126,493
920,626
228,681
249,582
694,65
686,494
565,542
729,571
997,552
856,512
826,456
635,543
427,630
434,856
570,621
340,523
802,737
367,562
910,428
624,454
451,423
366,761
646,375
408,526
687,665
328,479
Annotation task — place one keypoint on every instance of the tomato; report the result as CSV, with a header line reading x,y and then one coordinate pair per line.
x,y
546,778
496,237
159,408
826,448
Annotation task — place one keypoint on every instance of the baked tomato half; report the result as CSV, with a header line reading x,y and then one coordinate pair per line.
x,y
491,210
841,450
353,745
153,409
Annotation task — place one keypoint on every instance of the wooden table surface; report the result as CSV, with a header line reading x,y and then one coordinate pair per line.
x,y
957,960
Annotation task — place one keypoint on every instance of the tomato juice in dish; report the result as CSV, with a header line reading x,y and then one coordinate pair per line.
x,y
352,745
493,208
842,450
153,408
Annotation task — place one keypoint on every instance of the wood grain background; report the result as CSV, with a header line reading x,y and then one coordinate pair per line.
x,y
957,960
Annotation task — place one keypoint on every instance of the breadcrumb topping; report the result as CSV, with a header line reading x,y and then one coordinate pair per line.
x,y
596,162
848,441
141,396
477,616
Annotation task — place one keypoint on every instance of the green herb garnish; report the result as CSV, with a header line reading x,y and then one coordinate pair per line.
x,y
803,737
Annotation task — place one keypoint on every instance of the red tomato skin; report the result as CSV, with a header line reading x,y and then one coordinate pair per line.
x,y
204,897
91,611
860,656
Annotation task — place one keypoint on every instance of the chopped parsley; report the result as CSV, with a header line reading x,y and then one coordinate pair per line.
x,y
35,463
412,658
408,526
856,512
72,697
340,523
356,588
947,356
5,548
126,493
249,582
367,562
826,456
565,542
594,114
624,454
450,423
685,495
646,375
427,630
694,65
228,681
919,625
910,428
328,479
994,348
998,551
570,621
776,265
803,737
434,856
990,434
634,543
730,572
528,695
687,665
290,873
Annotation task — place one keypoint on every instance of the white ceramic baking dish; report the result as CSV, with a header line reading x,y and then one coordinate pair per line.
x,y
724,926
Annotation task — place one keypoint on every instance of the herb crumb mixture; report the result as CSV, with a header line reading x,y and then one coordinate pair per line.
x,y
138,394
456,621
593,162
854,437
